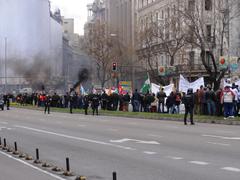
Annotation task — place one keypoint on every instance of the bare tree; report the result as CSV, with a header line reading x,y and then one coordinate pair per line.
x,y
166,36
208,30
102,47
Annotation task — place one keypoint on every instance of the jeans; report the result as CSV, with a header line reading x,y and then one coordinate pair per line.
x,y
228,109
211,107
161,107
136,105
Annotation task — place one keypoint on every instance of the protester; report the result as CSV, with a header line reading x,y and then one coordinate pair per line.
x,y
188,101
227,98
161,100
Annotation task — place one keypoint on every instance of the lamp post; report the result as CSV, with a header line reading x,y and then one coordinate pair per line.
x,y
5,66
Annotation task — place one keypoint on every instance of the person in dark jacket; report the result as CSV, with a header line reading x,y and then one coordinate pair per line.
x,y
161,95
188,101
104,99
86,104
47,104
136,99
95,103
170,103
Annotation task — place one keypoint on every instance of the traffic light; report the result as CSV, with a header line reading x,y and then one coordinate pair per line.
x,y
114,66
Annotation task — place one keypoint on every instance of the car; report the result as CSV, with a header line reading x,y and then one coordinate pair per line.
x,y
2,105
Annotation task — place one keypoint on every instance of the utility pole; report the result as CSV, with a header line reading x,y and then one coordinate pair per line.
x,y
5,66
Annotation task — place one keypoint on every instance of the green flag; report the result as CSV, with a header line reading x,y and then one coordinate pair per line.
x,y
146,86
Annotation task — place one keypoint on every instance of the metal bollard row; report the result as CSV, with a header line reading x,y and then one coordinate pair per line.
x,y
67,172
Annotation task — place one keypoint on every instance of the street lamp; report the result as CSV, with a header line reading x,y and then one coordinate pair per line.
x,y
5,66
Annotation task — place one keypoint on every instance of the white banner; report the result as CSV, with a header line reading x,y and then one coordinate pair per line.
x,y
184,84
167,89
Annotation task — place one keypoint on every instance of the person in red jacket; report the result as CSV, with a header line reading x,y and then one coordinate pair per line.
x,y
227,97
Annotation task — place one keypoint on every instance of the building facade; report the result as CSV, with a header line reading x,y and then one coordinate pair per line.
x,y
188,60
29,32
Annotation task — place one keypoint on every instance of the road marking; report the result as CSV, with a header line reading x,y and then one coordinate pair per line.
x,y
233,169
76,138
221,144
114,130
154,135
149,152
174,157
198,162
33,167
221,137
81,125
135,140
132,123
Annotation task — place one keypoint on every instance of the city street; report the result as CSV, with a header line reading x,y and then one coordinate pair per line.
x,y
136,149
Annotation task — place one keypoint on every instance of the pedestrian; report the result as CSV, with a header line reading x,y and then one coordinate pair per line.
x,y
188,101
95,104
8,101
227,98
136,98
47,104
126,100
104,98
210,100
86,104
161,95
177,101
71,103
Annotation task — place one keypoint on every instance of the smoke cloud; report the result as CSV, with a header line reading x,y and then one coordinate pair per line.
x,y
83,76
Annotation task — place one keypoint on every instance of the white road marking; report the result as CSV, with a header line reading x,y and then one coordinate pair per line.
x,y
154,135
3,122
174,157
81,125
198,162
33,167
76,138
149,152
135,140
221,137
220,144
114,130
132,123
233,169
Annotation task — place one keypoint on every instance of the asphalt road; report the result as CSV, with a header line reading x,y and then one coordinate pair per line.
x,y
136,149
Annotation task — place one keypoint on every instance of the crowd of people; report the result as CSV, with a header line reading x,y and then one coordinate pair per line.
x,y
205,101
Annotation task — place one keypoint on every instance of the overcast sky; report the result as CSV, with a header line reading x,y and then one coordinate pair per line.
x,y
76,9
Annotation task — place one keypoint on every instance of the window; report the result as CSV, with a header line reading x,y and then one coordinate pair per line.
x,y
191,58
191,5
156,16
209,32
208,5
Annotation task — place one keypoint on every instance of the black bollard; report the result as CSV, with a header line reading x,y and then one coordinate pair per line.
x,y
37,154
114,176
15,146
67,165
37,161
4,143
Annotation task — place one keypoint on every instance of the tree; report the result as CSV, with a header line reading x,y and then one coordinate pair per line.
x,y
208,30
102,47
165,36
